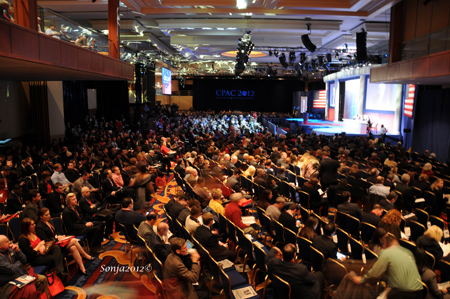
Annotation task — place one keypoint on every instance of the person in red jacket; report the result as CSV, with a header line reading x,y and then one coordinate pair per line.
x,y
234,214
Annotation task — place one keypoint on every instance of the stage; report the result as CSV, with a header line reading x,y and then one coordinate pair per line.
x,y
327,128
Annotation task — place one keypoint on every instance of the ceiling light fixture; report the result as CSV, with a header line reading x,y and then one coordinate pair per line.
x,y
241,4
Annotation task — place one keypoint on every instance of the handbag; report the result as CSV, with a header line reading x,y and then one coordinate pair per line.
x,y
48,245
55,284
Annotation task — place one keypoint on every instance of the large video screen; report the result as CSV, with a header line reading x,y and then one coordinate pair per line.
x,y
166,81
381,96
351,105
332,91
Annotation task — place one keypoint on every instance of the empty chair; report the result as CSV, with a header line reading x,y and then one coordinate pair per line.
x,y
342,240
417,230
279,231
289,236
282,286
335,273
444,266
353,225
417,192
342,221
317,259
437,221
422,216
304,199
304,213
367,231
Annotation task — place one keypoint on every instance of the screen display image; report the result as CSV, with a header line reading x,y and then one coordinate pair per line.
x,y
381,96
351,98
332,91
166,81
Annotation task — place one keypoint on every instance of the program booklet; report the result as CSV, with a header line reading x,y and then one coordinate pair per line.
x,y
23,280
243,293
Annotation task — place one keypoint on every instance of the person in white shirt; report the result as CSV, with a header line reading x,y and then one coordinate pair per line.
x,y
51,32
194,220
379,188
59,177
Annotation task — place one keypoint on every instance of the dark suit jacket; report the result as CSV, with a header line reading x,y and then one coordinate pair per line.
x,y
108,187
372,179
43,188
386,204
328,171
260,181
54,202
408,195
234,184
72,175
45,167
44,232
159,248
350,208
303,283
129,217
175,210
31,210
210,241
183,215
371,218
288,221
86,209
325,245
14,203
72,221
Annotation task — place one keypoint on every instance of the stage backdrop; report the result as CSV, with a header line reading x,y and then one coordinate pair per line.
x,y
245,94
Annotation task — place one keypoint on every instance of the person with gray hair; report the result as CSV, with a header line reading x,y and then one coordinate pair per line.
x,y
160,242
234,214
408,198
274,211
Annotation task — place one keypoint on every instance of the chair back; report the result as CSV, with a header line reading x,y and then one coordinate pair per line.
x,y
260,211
342,240
357,248
279,231
186,233
422,217
303,249
57,223
417,192
304,213
14,228
301,181
179,229
4,229
282,286
408,245
304,199
291,177
444,266
431,260
417,230
430,198
127,231
245,243
204,254
290,236
157,266
267,223
140,241
437,221
222,225
367,231
336,272
317,259
370,255
231,231
170,221
285,189
353,225
260,255
342,221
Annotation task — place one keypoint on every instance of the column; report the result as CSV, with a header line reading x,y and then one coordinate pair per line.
x,y
396,33
113,28
56,109
398,111
25,13
336,100
362,93
327,88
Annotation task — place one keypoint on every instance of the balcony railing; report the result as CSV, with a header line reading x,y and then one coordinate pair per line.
x,y
435,42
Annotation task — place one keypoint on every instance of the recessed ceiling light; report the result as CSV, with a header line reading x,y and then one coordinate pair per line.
x,y
206,28
220,28
231,28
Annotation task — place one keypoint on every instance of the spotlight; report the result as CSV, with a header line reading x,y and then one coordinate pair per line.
x,y
320,60
302,58
270,53
292,57
275,53
283,61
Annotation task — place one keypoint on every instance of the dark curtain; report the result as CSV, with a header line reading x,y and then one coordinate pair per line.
x,y
39,112
75,102
267,95
112,99
432,123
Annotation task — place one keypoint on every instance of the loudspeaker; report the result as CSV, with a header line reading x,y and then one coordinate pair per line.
x,y
329,58
361,46
307,43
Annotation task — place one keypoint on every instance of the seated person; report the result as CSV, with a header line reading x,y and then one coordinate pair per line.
x,y
78,226
180,203
34,204
274,211
379,188
11,261
348,207
376,244
45,230
127,215
287,218
194,220
203,195
304,284
181,270
145,229
234,214
216,202
388,203
429,241
15,202
325,244
56,201
373,217
309,230
160,242
211,242
39,253
316,201
45,185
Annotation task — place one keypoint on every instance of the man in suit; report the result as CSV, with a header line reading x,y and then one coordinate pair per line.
x,y
126,174
34,205
90,207
324,243
204,196
181,202
210,241
260,178
71,173
407,192
160,242
233,181
14,201
127,216
287,218
76,225
282,174
328,169
304,284
373,217
181,270
56,201
388,203
113,194
373,176
145,229
47,165
348,207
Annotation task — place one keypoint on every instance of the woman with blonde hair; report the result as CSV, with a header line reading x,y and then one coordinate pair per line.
x,y
430,242
250,172
216,202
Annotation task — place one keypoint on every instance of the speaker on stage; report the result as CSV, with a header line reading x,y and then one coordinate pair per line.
x,y
361,46
307,43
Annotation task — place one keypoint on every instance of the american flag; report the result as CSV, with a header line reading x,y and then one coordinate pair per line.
x,y
409,101
321,102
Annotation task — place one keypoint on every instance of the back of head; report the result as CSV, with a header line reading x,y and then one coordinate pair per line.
x,y
405,178
434,232
329,229
392,195
236,196
289,251
176,244
346,196
151,216
207,218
